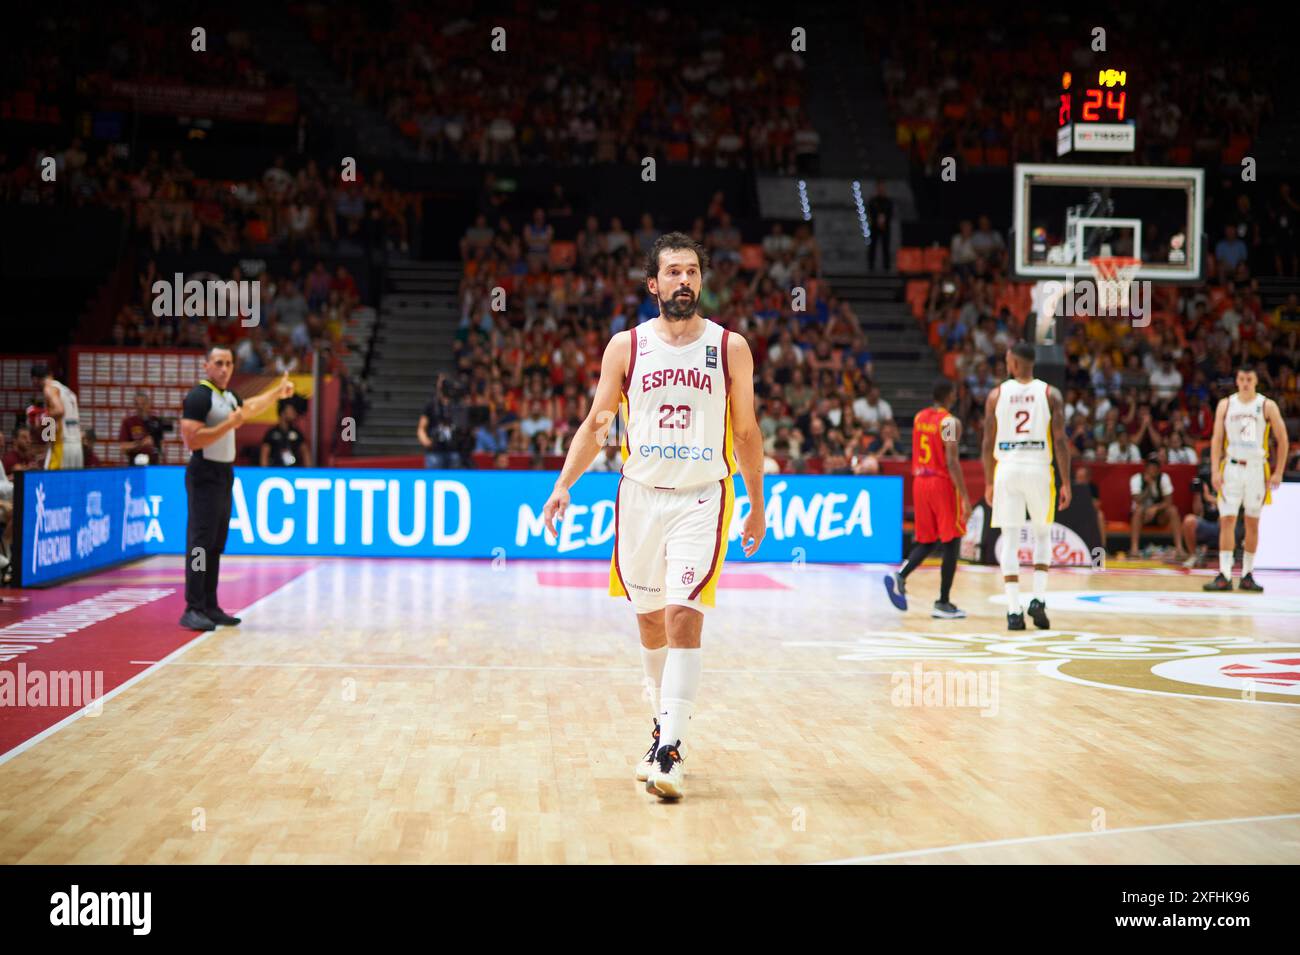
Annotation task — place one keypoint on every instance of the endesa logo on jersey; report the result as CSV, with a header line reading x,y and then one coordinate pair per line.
x,y
676,452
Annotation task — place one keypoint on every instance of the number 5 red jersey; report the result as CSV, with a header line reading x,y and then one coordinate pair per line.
x,y
929,458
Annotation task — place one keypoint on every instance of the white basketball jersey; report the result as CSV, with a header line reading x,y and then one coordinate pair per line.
x,y
675,409
1245,430
71,433
1024,421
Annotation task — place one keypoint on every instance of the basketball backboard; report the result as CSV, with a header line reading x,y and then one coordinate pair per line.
x,y
1063,216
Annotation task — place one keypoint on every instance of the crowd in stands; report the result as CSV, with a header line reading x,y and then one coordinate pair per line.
x,y
1130,391
302,313
578,91
527,372
982,82
173,209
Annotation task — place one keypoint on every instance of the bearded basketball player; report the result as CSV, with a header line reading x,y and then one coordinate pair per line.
x,y
1240,471
1023,423
684,387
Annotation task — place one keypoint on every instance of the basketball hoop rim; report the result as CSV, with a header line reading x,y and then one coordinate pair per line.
x,y
1116,268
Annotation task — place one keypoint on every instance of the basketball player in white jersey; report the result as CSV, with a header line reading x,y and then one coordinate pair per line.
x,y
684,387
64,451
1239,468
1024,422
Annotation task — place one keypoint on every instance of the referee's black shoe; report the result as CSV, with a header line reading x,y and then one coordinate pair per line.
x,y
193,620
223,619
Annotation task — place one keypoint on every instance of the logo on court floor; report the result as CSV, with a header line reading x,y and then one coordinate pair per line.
x,y
1241,668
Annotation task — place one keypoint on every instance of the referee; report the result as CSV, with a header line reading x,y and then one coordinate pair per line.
x,y
208,422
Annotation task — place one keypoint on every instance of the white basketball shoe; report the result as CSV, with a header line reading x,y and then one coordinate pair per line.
x,y
668,778
647,764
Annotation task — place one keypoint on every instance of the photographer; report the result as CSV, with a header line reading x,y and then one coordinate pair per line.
x,y
441,430
1201,527
142,432
284,446
1153,497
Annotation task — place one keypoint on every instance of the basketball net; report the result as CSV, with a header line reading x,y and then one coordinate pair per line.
x,y
1113,275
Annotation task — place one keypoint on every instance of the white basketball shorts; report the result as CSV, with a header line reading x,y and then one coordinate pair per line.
x,y
1243,484
669,544
1018,488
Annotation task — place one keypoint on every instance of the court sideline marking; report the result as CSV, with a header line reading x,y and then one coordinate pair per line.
x,y
1057,837
99,703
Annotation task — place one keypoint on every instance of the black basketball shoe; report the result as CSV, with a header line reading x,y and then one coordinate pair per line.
x,y
1038,611
1015,621
1219,582
1248,583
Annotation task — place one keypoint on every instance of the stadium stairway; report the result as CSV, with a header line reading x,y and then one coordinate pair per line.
x,y
418,315
847,104
905,366
328,100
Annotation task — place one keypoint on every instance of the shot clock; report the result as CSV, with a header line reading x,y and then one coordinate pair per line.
x,y
1093,114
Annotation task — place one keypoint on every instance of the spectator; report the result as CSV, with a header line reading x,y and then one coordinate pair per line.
x,y
874,411
1166,381
284,446
22,454
987,242
1122,450
89,458
141,433
490,437
1177,451
891,446
962,250
1230,252
880,214
537,423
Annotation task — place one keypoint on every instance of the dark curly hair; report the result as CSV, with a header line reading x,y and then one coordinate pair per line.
x,y
674,240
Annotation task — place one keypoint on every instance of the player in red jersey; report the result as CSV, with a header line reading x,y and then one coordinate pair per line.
x,y
939,500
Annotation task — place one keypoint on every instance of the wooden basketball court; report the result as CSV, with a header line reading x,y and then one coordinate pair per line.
x,y
461,711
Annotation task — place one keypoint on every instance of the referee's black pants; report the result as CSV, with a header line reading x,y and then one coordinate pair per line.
x,y
208,485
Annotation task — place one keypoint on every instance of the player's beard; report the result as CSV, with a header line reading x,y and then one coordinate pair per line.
x,y
675,309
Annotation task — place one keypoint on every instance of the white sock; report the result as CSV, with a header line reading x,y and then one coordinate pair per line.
x,y
1042,543
1040,585
1225,563
652,661
1013,596
1247,562
681,685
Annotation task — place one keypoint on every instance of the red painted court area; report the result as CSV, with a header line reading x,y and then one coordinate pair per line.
x,y
87,632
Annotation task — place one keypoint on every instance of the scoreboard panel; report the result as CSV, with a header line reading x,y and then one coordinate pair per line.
x,y
1094,117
